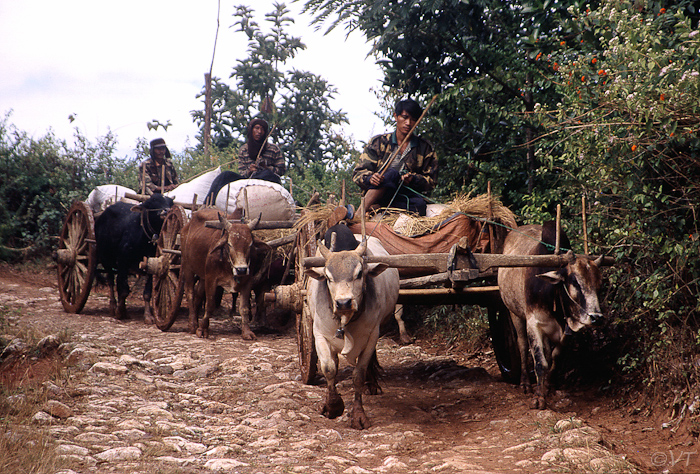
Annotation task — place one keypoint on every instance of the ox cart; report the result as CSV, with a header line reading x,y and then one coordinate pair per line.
x,y
76,256
460,267
457,269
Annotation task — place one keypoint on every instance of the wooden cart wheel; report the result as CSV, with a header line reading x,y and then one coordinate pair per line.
x,y
308,358
505,342
76,257
167,295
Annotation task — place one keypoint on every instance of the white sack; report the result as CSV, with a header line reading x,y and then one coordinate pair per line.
x,y
200,186
264,197
104,196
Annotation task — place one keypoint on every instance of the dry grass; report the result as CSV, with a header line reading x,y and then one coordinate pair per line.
x,y
479,207
25,446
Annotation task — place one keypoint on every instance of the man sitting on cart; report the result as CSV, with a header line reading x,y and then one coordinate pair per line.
x,y
158,174
398,169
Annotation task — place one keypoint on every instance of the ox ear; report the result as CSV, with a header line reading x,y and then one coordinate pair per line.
x,y
219,245
261,245
315,272
378,269
553,277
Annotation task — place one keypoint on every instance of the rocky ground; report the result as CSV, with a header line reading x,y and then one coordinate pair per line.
x,y
134,399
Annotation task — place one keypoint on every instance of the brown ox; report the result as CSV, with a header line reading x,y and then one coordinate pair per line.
x,y
230,258
543,301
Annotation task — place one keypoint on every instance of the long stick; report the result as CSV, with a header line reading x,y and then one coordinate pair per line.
x,y
557,248
585,227
385,166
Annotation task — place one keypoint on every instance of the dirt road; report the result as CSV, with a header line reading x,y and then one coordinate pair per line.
x,y
138,400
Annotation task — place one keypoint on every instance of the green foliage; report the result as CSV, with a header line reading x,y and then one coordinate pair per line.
x,y
626,136
554,100
39,179
295,103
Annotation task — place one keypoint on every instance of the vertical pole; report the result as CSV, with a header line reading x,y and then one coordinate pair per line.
x,y
489,223
207,113
143,178
162,179
557,249
362,216
247,206
228,196
585,225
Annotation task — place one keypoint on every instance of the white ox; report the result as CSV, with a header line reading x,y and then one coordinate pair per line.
x,y
349,299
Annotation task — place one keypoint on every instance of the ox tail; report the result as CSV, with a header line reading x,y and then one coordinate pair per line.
x,y
374,374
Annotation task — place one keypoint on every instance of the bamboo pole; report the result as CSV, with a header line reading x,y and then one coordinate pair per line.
x,y
490,217
362,217
557,247
585,225
143,178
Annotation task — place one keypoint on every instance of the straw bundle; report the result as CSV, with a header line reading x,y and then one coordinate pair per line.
x,y
480,207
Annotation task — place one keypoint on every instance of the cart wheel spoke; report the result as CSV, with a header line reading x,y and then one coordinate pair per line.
x,y
76,273
167,296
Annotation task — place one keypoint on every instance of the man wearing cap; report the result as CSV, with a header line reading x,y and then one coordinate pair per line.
x,y
158,171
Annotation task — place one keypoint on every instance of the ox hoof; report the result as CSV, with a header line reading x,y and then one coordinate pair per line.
x,y
248,335
538,403
333,408
203,333
359,420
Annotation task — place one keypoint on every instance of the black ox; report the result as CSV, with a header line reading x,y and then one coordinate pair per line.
x,y
126,234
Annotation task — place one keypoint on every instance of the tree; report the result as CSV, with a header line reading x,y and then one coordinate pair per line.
x,y
626,135
481,57
295,103
40,178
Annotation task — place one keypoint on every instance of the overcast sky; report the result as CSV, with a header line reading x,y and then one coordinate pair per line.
x,y
117,65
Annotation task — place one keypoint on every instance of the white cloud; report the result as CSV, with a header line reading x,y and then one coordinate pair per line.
x,y
119,65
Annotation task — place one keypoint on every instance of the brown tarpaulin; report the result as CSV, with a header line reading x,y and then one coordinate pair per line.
x,y
440,241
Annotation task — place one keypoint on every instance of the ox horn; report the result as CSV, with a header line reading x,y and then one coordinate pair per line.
x,y
323,249
598,261
226,224
254,223
361,249
334,238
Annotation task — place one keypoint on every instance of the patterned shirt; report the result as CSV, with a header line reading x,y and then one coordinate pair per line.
x,y
420,159
154,174
270,158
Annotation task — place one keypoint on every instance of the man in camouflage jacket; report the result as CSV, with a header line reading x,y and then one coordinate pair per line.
x,y
152,172
412,171
257,158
